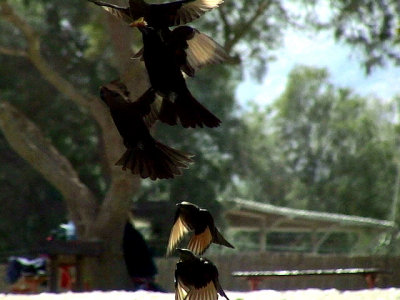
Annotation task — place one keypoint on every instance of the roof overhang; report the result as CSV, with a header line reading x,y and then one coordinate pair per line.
x,y
250,215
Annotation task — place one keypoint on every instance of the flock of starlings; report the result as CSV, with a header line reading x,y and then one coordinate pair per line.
x,y
169,56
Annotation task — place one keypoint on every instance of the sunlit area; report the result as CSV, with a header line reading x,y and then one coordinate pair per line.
x,y
199,149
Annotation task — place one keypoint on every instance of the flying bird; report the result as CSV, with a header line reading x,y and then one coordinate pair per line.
x,y
189,217
161,15
164,70
196,278
144,156
192,49
199,48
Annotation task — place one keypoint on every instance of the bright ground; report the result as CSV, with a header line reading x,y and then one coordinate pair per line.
x,y
311,294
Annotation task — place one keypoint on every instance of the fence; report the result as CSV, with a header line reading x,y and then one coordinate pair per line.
x,y
229,263
280,261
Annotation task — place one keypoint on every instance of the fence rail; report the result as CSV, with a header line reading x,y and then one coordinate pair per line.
x,y
227,264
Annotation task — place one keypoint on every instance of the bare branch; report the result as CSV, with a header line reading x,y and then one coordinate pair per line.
x,y
242,29
29,142
13,52
123,184
225,22
34,55
97,109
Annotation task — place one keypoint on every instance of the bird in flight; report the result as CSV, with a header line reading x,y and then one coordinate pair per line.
x,y
164,70
144,156
196,278
161,15
190,217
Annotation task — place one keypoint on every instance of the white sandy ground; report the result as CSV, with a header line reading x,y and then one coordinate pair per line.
x,y
310,294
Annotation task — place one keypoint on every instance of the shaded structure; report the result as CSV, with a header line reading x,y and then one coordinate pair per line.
x,y
274,224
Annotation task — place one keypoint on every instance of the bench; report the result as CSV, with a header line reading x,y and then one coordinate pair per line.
x,y
255,277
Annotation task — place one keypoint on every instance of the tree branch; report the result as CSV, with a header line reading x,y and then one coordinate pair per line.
x,y
242,29
97,109
123,184
13,52
29,142
225,21
33,54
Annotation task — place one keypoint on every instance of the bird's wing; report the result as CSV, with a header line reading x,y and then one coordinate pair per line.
x,y
119,12
151,118
180,290
194,49
185,11
144,103
177,232
208,292
200,242
203,50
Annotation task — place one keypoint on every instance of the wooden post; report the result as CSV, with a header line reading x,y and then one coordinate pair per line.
x,y
263,235
53,279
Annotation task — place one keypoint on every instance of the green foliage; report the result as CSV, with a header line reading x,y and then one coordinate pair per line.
x,y
322,148
307,151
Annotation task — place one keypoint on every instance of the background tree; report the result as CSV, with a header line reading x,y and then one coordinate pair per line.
x,y
54,56
322,148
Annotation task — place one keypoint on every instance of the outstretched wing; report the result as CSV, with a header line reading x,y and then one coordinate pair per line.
x,y
179,229
203,50
193,49
184,11
119,12
208,292
180,290
199,243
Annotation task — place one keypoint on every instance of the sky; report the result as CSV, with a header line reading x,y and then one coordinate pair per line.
x,y
320,50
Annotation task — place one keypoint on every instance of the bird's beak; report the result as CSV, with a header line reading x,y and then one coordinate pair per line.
x,y
139,23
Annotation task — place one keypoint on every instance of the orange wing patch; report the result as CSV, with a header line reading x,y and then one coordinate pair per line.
x,y
206,293
200,242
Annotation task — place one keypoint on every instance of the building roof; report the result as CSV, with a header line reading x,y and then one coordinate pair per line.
x,y
251,215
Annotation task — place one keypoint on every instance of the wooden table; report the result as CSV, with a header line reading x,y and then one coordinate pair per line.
x,y
255,277
69,253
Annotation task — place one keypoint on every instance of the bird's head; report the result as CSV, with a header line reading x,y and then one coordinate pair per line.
x,y
187,208
113,93
185,254
185,204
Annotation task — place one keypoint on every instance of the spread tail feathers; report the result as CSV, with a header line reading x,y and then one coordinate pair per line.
x,y
192,113
156,162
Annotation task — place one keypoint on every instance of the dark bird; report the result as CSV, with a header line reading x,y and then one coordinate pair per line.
x,y
199,48
196,278
189,217
192,49
164,70
144,156
161,15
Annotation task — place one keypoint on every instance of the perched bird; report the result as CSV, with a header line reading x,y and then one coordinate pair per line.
x,y
161,15
144,156
189,217
199,48
164,70
196,278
